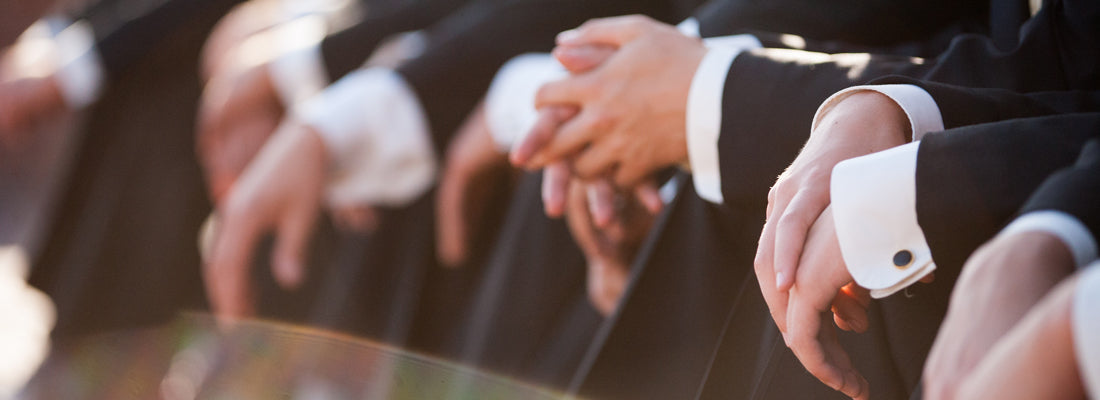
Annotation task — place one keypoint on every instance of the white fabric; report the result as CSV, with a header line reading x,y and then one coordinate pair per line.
x,y
378,137
689,27
510,102
874,198
704,111
298,71
874,210
1067,228
1086,328
80,75
922,111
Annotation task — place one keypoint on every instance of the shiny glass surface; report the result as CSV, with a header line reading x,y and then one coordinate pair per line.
x,y
195,358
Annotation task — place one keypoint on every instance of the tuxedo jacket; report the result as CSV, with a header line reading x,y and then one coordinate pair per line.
x,y
128,30
998,146
771,95
695,268
1073,190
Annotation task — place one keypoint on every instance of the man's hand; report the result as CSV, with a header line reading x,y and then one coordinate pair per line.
x,y
27,95
475,171
861,124
631,121
1036,359
609,247
239,110
823,292
998,285
280,191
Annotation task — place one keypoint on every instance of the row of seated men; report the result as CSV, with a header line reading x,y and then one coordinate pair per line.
x,y
605,219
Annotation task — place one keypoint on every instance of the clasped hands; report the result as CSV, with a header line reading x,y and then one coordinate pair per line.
x,y
624,118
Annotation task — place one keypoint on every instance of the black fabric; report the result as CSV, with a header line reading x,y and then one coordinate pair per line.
x,y
348,49
1075,190
120,250
127,30
531,318
869,23
771,95
972,180
659,342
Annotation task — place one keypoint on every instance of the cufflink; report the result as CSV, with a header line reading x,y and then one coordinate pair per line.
x,y
903,259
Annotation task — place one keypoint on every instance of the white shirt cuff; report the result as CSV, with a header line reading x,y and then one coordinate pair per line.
x,y
378,137
919,106
510,102
704,111
689,27
1086,328
874,209
80,72
298,72
1067,228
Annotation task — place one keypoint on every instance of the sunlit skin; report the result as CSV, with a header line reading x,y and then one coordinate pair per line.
x,y
631,108
863,123
999,284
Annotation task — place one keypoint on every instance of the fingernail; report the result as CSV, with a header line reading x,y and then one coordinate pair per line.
x,y
568,36
780,278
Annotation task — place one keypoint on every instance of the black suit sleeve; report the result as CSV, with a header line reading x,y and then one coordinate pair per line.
x,y
346,50
469,47
770,96
127,30
970,181
1074,191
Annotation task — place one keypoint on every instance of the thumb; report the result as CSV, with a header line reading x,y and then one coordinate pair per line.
x,y
614,31
290,248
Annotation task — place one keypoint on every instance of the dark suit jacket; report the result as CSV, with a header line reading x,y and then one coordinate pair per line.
x,y
771,95
1074,190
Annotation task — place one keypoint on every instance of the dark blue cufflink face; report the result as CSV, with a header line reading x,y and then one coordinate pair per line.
x,y
903,258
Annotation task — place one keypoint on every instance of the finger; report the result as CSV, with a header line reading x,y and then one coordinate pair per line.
x,y
601,202
597,159
765,276
579,59
555,184
546,126
290,247
802,336
790,235
613,31
649,196
931,277
573,89
573,136
817,347
853,385
629,174
451,246
849,313
227,277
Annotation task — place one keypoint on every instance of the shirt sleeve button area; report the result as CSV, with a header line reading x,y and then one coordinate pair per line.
x,y
903,259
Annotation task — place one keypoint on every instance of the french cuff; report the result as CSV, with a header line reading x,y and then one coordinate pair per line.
x,y
1086,325
80,72
704,111
919,106
298,72
510,102
1076,236
874,210
377,135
